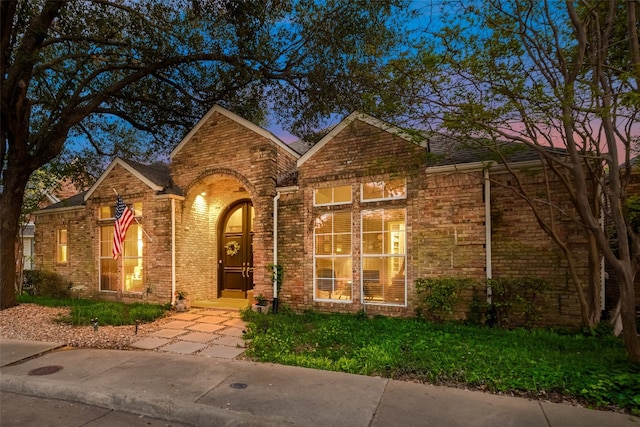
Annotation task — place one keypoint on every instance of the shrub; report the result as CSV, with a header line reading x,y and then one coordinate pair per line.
x,y
46,283
438,297
517,301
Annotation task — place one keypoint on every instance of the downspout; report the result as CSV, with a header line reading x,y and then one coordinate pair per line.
x,y
173,251
487,231
603,269
275,252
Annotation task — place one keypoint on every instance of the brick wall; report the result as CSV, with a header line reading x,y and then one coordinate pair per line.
x,y
522,249
230,163
84,239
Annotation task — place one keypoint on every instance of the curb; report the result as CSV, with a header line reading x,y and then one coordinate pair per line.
x,y
194,414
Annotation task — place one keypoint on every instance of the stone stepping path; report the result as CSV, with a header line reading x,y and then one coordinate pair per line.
x,y
203,332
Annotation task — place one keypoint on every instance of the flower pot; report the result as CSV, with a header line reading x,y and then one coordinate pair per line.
x,y
182,305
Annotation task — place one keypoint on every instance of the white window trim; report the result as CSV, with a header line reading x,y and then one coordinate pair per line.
x,y
349,256
363,256
381,199
100,258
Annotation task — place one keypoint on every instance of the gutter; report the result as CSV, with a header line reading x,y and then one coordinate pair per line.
x,y
173,251
487,232
275,252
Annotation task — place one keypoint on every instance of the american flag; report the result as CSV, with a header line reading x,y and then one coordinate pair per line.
x,y
124,218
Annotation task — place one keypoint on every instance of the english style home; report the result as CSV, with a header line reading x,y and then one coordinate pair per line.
x,y
353,221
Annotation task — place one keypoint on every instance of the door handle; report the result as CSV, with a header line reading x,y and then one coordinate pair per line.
x,y
243,269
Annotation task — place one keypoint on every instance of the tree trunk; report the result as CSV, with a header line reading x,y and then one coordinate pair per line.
x,y
594,292
626,277
15,182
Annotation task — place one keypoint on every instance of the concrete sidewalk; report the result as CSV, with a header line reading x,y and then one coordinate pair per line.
x,y
210,391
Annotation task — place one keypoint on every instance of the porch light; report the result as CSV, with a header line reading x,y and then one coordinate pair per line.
x,y
204,193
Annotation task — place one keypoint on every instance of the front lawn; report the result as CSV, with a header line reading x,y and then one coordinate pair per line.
x,y
541,363
83,311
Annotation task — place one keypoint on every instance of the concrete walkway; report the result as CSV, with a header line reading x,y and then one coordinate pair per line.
x,y
190,379
209,333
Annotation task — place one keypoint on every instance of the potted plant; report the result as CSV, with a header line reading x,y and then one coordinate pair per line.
x,y
260,304
182,304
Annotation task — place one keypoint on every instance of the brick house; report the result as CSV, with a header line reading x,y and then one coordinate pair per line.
x,y
353,221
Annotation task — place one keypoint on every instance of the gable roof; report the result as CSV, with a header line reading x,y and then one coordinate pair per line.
x,y
242,122
156,176
387,127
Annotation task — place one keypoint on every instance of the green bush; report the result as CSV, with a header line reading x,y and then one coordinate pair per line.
x,y
46,283
517,301
438,297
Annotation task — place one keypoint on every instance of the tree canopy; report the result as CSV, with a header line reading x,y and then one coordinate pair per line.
x,y
83,81
548,75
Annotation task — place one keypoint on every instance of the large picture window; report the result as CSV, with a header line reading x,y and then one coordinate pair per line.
x,y
131,276
384,256
332,250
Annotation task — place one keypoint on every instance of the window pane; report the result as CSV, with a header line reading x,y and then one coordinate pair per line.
x,y
107,212
108,274
62,253
323,196
323,245
341,222
372,221
234,223
391,189
372,190
329,195
137,208
342,244
133,275
372,243
395,188
324,223
342,194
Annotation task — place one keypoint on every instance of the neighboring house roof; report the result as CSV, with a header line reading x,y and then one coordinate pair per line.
x,y
445,151
300,146
244,122
156,176
387,127
29,230
71,202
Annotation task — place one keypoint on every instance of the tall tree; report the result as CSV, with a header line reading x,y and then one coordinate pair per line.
x,y
83,80
547,75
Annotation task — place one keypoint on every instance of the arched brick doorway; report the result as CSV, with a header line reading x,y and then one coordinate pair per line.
x,y
235,250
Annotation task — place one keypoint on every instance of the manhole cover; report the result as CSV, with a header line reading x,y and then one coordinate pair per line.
x,y
238,385
45,370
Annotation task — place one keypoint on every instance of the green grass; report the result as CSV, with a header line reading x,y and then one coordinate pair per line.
x,y
533,363
107,312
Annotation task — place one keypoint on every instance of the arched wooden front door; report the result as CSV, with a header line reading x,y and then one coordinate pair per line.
x,y
236,251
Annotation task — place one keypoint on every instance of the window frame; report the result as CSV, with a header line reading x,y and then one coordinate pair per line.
x,y
60,245
333,191
332,256
364,255
108,221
